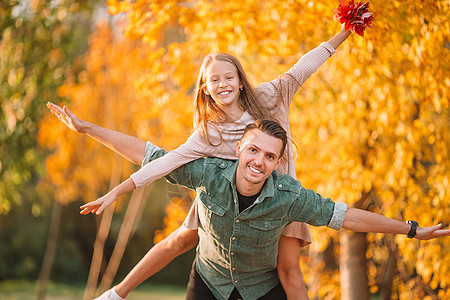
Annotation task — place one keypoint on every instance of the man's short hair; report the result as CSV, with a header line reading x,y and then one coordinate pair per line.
x,y
269,127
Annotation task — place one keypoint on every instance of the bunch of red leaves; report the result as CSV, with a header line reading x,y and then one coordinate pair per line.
x,y
355,16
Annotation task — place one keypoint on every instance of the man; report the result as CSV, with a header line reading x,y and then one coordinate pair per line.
x,y
243,208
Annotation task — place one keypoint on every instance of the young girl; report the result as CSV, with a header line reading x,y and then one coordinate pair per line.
x,y
225,103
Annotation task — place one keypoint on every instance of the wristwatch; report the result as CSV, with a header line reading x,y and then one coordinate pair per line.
x,y
412,231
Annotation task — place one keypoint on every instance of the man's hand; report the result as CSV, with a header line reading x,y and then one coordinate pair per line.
x,y
428,233
99,205
67,117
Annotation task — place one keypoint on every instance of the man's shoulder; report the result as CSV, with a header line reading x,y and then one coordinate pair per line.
x,y
286,183
213,162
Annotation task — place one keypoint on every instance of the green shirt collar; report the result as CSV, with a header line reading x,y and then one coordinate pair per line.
x,y
268,189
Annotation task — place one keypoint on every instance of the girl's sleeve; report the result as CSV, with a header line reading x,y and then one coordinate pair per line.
x,y
288,83
193,149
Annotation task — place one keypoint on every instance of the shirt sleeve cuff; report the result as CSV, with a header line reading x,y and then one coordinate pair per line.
x,y
338,217
150,149
328,46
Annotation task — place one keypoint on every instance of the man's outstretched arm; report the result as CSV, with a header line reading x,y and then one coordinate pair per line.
x,y
130,147
359,220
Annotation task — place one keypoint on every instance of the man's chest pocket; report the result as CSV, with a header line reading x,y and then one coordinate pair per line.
x,y
211,215
264,232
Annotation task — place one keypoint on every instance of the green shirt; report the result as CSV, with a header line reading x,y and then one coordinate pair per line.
x,y
240,249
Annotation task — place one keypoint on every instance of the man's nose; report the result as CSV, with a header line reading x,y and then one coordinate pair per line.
x,y
259,159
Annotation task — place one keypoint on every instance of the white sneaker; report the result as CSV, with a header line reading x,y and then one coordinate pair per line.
x,y
109,295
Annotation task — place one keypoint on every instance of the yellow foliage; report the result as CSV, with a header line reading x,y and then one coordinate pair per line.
x,y
374,119
107,93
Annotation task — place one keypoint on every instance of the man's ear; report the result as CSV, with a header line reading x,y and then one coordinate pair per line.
x,y
278,163
238,148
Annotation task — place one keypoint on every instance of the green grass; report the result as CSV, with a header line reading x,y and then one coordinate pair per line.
x,y
26,290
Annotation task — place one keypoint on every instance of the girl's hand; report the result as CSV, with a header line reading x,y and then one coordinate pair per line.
x,y
67,117
343,28
98,205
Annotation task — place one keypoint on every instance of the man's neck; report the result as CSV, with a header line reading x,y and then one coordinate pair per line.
x,y
246,188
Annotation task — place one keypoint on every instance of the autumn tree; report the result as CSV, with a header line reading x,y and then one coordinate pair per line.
x,y
38,44
105,93
372,124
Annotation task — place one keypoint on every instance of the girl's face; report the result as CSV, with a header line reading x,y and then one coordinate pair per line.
x,y
222,83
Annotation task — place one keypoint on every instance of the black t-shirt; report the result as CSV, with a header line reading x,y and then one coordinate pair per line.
x,y
246,201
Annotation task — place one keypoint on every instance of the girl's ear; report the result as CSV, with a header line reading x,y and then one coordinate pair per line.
x,y
241,86
205,90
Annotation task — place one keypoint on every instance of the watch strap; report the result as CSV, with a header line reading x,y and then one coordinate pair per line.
x,y
412,232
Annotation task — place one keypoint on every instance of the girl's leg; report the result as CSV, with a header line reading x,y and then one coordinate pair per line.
x,y
289,271
180,241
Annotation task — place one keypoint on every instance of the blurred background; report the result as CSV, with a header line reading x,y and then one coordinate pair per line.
x,y
371,129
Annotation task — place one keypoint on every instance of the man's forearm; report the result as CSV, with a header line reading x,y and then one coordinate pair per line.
x,y
130,147
359,220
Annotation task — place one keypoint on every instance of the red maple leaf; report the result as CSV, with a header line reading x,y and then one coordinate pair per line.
x,y
356,17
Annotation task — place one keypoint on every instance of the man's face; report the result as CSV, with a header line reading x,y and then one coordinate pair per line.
x,y
259,155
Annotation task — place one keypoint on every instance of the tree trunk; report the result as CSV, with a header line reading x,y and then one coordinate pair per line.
x,y
325,258
124,234
102,234
389,271
353,267
50,250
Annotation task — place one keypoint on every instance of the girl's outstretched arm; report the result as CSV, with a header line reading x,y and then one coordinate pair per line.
x,y
339,38
130,147
284,87
155,168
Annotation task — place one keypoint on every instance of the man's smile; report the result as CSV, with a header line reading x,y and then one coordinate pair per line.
x,y
254,170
